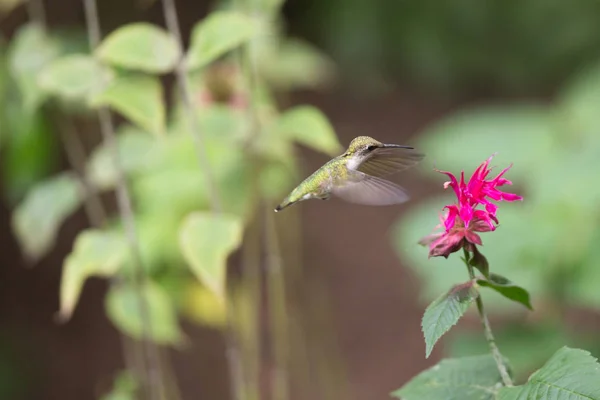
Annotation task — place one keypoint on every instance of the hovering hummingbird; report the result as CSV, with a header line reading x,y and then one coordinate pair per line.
x,y
355,176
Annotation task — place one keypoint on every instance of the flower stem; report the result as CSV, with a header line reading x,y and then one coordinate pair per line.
x,y
487,330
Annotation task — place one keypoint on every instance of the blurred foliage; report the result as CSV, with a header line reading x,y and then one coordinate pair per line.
x,y
547,244
184,245
506,46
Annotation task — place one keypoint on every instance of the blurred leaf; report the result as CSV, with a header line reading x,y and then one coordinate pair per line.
x,y
37,219
30,152
507,289
140,46
174,182
74,77
519,133
445,311
309,126
95,253
571,374
297,64
576,105
158,241
30,51
203,306
206,241
134,146
139,99
217,34
123,308
124,388
527,346
467,378
276,179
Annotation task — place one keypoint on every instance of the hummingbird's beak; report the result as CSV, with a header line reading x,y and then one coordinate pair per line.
x,y
397,146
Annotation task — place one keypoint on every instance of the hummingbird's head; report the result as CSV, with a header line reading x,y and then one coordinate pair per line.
x,y
364,145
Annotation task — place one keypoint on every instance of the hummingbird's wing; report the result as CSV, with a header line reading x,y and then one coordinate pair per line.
x,y
370,190
386,161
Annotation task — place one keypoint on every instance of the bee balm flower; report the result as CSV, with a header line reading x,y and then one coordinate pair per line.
x,y
463,219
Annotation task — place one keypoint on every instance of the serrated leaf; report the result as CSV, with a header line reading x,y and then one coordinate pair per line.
x,y
467,378
30,51
140,46
507,289
37,219
73,77
206,241
309,126
219,33
95,253
123,307
571,374
526,345
445,311
134,146
137,98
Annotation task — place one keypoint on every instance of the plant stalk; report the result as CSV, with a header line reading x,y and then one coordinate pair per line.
x,y
487,329
155,384
186,95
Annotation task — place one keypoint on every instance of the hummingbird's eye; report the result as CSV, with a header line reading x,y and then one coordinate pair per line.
x,y
371,148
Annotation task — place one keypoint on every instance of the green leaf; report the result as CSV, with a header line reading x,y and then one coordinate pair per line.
x,y
309,126
206,241
526,345
506,288
219,33
571,374
37,219
30,51
134,146
140,46
31,150
124,308
73,77
124,388
137,98
95,253
445,312
467,378
480,262
296,64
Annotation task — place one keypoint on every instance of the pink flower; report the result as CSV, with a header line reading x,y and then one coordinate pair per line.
x,y
455,236
477,191
463,220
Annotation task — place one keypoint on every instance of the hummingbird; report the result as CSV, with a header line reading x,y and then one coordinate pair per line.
x,y
356,175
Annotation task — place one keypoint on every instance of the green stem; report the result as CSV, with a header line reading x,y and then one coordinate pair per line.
x,y
487,329
172,22
154,374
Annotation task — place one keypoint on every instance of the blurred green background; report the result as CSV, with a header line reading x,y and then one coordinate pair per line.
x,y
459,80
